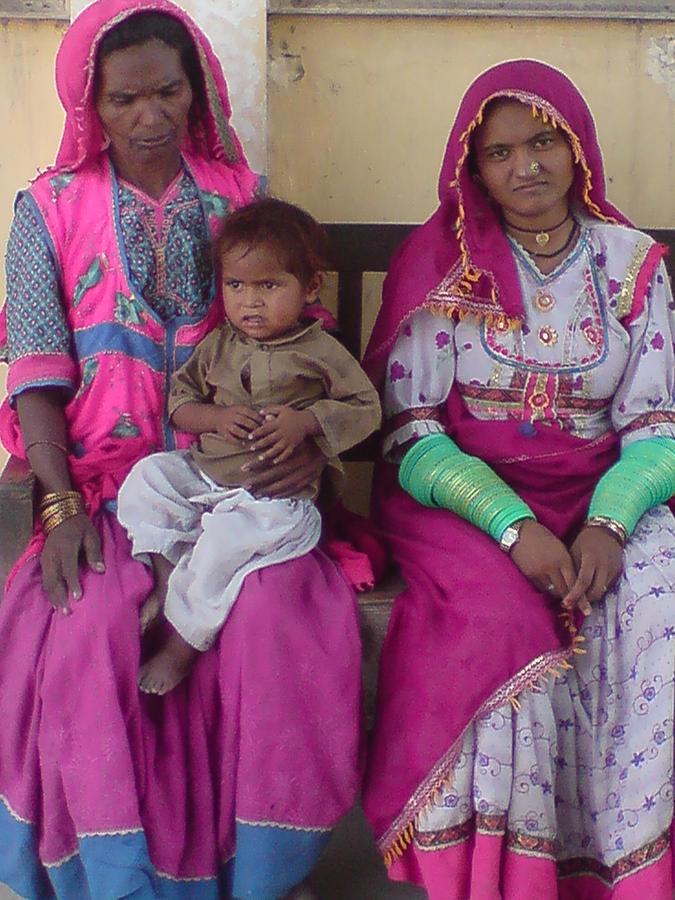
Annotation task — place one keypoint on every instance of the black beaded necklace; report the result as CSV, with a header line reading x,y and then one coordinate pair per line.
x,y
543,235
572,235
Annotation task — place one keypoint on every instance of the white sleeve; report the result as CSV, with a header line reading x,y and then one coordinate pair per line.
x,y
420,373
644,403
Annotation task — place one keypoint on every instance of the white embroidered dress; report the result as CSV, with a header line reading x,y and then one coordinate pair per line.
x,y
585,769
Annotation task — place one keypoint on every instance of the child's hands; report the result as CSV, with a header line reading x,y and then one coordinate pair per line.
x,y
281,432
235,423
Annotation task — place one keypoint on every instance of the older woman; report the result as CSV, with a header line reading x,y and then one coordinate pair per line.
x,y
231,785
525,353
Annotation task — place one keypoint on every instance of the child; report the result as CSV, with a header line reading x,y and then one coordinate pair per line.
x,y
256,386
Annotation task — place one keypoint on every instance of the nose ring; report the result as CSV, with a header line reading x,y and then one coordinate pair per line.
x,y
535,167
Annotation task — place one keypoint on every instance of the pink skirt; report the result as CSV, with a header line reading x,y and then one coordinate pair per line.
x,y
229,785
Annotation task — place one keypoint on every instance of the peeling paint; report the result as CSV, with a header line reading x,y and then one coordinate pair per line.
x,y
285,67
661,62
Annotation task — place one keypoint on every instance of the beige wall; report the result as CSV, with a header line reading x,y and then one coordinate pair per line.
x,y
360,107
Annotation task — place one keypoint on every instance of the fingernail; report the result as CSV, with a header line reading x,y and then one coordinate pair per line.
x,y
99,566
250,437
246,467
77,595
261,457
65,611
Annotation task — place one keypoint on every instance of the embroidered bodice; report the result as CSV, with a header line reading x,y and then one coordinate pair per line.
x,y
166,245
572,365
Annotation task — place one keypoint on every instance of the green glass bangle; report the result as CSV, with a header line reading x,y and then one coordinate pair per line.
x,y
643,477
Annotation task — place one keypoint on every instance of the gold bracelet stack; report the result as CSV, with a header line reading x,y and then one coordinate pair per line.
x,y
58,506
617,529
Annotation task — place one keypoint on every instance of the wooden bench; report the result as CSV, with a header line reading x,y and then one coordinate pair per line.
x,y
356,249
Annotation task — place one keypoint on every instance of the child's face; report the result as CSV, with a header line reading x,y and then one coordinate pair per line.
x,y
261,299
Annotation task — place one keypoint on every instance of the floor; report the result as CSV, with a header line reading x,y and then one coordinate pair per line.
x,y
351,868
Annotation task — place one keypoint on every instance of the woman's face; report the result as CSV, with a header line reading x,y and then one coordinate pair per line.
x,y
143,102
507,146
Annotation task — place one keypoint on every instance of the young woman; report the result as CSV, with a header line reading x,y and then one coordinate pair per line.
x,y
524,740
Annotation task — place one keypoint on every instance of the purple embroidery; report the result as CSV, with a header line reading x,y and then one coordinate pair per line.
x,y
657,341
422,398
442,339
407,330
468,346
397,371
601,260
614,286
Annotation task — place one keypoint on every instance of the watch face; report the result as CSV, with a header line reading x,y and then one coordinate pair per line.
x,y
509,537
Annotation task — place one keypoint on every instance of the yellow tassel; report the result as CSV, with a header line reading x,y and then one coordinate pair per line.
x,y
544,116
579,651
515,704
535,111
566,665
554,122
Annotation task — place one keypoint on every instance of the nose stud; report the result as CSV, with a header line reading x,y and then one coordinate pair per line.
x,y
534,167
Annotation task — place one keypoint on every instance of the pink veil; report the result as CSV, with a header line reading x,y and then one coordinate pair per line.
x,y
459,261
83,139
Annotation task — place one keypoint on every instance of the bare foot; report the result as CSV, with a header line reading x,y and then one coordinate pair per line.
x,y
167,668
152,608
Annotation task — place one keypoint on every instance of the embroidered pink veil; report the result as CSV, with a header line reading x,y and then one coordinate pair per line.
x,y
462,246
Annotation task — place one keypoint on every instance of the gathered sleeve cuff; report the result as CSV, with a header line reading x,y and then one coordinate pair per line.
x,y
420,373
39,339
351,410
644,403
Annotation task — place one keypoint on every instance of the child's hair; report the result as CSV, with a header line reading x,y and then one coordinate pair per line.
x,y
298,239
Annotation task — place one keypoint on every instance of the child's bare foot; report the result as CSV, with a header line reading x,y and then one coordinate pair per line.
x,y
151,611
167,668
152,608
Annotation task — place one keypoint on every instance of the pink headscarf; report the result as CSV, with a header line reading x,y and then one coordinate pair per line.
x,y
460,262
83,137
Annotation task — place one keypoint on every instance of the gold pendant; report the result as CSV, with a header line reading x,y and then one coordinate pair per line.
x,y
542,238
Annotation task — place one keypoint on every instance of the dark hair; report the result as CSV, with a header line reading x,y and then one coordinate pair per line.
x,y
142,27
299,240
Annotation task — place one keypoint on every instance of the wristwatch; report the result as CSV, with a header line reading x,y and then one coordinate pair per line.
x,y
510,536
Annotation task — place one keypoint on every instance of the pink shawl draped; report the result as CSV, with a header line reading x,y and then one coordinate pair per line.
x,y
211,137
464,235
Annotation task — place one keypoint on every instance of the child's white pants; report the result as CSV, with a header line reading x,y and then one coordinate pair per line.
x,y
215,536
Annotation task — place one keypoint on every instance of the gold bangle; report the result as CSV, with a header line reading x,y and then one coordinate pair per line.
x,y
55,521
53,512
617,529
47,443
54,496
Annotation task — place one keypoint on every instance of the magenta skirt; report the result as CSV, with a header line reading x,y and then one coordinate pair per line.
x,y
228,786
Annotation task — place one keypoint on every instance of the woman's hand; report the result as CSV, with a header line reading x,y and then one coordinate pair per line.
x,y
60,559
546,561
598,559
289,478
